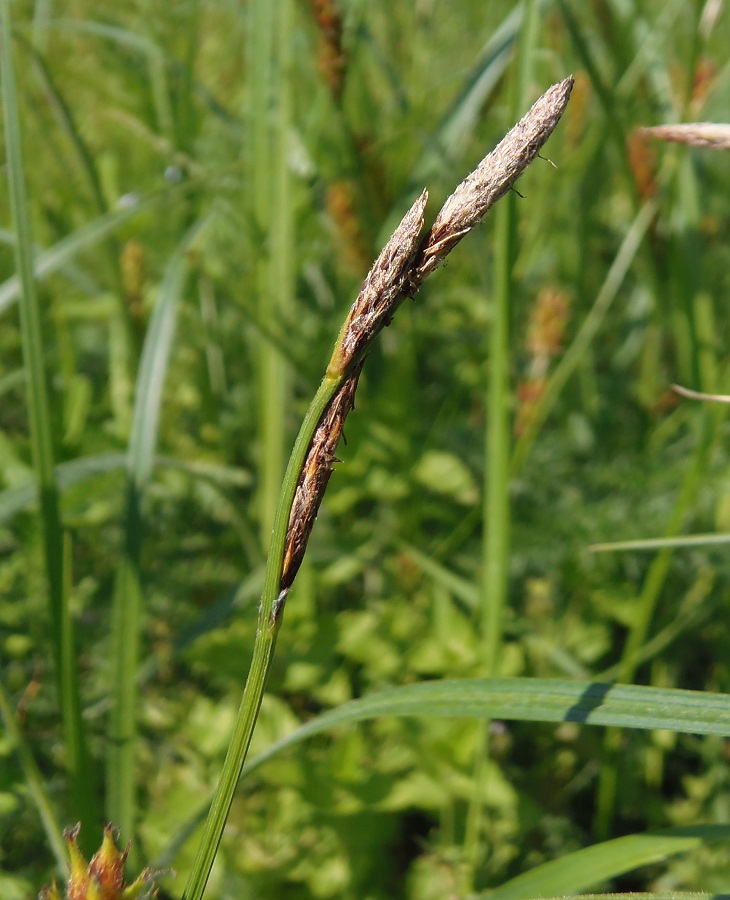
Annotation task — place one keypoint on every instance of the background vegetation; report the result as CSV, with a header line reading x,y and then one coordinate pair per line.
x,y
207,185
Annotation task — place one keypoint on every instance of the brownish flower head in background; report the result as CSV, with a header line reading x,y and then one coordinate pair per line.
x,y
705,77
643,164
341,208
331,60
545,332
547,326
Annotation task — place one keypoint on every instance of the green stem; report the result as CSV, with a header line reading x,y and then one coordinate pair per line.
x,y
272,214
263,651
496,510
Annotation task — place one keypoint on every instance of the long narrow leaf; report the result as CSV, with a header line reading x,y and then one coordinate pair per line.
x,y
39,418
517,699
591,866
530,699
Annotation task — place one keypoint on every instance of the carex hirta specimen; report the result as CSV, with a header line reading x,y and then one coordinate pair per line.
x,y
398,272
404,263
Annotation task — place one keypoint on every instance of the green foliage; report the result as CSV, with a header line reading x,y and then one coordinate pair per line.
x,y
176,159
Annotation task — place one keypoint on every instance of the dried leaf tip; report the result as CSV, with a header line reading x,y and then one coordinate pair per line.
x,y
492,178
313,479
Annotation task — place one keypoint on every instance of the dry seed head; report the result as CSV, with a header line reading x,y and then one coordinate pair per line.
x,y
696,134
492,178
400,269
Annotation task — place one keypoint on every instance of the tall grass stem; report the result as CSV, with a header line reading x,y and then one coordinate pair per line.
x,y
269,108
494,579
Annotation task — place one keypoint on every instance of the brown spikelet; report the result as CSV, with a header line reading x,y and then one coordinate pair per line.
x,y
703,82
341,207
546,327
529,394
399,270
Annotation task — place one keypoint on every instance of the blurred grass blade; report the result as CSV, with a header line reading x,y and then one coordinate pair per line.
x,y
65,116
18,498
56,257
530,699
270,37
75,471
127,610
458,123
685,540
41,437
614,121
512,699
461,588
593,865
655,895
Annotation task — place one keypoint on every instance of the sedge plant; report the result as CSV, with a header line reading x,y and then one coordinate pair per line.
x,y
402,266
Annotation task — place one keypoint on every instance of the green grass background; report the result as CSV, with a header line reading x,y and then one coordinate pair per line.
x,y
202,205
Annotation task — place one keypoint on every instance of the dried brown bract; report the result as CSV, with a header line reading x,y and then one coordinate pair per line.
x,y
315,474
711,135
